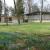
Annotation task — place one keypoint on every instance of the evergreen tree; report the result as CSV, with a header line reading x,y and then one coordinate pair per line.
x,y
19,9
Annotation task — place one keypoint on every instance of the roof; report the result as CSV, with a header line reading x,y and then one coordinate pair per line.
x,y
37,13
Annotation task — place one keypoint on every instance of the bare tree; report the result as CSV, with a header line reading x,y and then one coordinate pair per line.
x,y
30,6
14,6
0,7
35,8
5,13
42,1
41,11
11,11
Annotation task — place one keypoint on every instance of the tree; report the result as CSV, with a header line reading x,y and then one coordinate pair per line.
x,y
19,9
30,7
35,8
6,13
11,11
45,9
14,7
41,11
0,7
42,1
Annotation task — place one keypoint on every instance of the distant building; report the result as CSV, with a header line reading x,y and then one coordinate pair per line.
x,y
32,17
35,16
11,19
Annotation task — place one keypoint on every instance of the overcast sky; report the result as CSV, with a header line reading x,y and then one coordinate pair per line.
x,y
10,2
46,3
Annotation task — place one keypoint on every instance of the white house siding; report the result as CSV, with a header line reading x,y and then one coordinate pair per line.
x,y
14,20
2,19
32,18
36,18
21,20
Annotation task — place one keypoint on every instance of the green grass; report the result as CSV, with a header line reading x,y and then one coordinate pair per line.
x,y
37,39
25,40
43,28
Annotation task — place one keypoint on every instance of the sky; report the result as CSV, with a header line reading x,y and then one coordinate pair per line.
x,y
10,2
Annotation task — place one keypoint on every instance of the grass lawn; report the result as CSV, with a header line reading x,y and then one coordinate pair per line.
x,y
41,40
42,28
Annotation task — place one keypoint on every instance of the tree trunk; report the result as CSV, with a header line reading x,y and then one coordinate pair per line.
x,y
14,6
30,6
41,11
23,18
18,20
6,21
40,17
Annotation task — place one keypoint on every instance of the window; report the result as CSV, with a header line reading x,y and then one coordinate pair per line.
x,y
0,19
10,19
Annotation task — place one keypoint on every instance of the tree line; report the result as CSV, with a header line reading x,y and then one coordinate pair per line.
x,y
19,8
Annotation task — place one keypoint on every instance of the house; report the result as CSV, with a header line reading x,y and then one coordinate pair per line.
x,y
35,16
30,17
11,19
